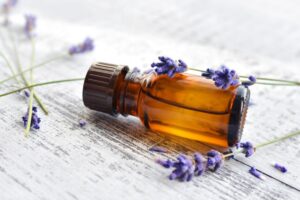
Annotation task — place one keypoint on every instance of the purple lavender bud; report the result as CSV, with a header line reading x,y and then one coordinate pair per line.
x,y
30,25
248,148
214,160
281,168
255,173
183,168
82,123
252,81
199,168
165,163
35,120
169,66
158,149
252,78
86,46
26,93
175,174
209,73
225,77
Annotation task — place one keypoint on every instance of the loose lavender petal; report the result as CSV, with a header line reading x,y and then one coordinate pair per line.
x,y
82,123
281,168
255,173
26,93
158,149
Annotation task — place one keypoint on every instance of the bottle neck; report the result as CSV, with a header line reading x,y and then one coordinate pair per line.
x,y
128,94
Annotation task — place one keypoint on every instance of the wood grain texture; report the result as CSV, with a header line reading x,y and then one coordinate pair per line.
x,y
109,158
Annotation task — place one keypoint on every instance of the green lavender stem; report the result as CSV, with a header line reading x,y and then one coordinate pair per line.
x,y
23,76
10,68
265,143
28,125
33,67
41,84
293,83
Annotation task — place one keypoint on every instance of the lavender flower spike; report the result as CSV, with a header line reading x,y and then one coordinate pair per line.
x,y
35,120
30,25
169,66
86,46
255,173
247,147
281,168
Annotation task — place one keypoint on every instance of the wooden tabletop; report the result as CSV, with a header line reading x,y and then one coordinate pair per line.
x,y
109,158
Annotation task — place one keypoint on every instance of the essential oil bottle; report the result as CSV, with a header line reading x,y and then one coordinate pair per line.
x,y
186,105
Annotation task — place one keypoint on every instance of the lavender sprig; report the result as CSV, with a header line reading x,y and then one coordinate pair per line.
x,y
185,168
225,78
265,81
86,46
169,66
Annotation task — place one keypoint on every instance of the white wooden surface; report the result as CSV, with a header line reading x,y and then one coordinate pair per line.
x,y
109,158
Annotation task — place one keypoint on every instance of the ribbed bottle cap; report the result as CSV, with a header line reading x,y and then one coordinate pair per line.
x,y
99,86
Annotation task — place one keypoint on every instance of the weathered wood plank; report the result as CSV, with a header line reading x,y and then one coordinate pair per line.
x,y
109,158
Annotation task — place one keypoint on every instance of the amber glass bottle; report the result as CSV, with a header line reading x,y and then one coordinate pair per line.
x,y
186,105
